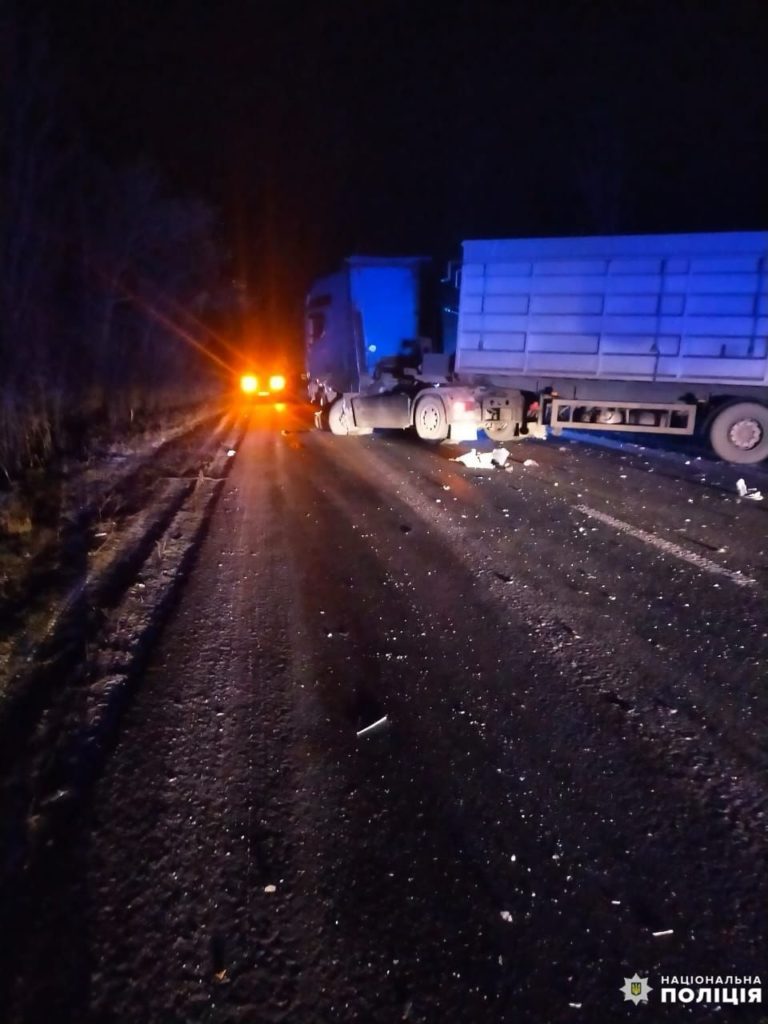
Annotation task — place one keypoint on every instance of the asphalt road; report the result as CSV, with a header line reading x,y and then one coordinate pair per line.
x,y
569,786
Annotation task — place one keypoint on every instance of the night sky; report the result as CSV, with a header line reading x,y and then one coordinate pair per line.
x,y
322,129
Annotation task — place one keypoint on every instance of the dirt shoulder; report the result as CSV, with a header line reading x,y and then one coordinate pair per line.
x,y
79,616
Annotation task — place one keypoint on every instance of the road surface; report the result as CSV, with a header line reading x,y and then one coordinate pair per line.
x,y
568,786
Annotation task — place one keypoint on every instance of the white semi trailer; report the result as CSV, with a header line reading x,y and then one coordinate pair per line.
x,y
653,333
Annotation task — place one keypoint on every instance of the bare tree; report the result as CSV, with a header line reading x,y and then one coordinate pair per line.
x,y
104,277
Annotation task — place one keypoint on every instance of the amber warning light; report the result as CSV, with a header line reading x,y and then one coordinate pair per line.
x,y
276,382
249,384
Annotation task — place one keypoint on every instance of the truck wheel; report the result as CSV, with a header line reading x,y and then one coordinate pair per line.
x,y
739,432
430,420
500,430
338,418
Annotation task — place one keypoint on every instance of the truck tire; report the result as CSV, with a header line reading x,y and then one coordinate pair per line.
x,y
739,433
429,419
338,418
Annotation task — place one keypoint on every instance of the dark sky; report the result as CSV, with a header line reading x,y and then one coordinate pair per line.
x,y
321,129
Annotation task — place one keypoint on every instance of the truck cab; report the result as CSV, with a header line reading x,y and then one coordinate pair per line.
x,y
372,330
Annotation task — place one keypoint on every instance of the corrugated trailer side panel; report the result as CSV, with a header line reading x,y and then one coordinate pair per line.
x,y
688,308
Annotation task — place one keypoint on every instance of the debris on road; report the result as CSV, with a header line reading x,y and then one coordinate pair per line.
x,y
506,916
530,462
474,459
666,931
270,888
231,452
748,492
374,725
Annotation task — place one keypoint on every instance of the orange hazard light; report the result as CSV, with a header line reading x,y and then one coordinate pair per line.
x,y
249,384
276,382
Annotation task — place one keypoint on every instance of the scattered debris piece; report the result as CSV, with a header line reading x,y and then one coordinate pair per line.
x,y
506,916
231,452
474,459
667,931
504,578
374,725
270,888
221,975
530,462
748,492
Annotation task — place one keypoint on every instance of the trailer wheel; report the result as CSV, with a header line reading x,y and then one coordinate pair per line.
x,y
338,418
430,420
739,433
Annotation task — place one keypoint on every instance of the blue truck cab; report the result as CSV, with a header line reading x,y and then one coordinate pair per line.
x,y
374,314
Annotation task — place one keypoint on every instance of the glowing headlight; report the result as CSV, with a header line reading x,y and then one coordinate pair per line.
x,y
276,382
248,383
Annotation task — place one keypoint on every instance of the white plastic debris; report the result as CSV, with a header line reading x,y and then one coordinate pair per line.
x,y
748,492
374,725
667,931
530,462
474,459
506,916
270,888
231,452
